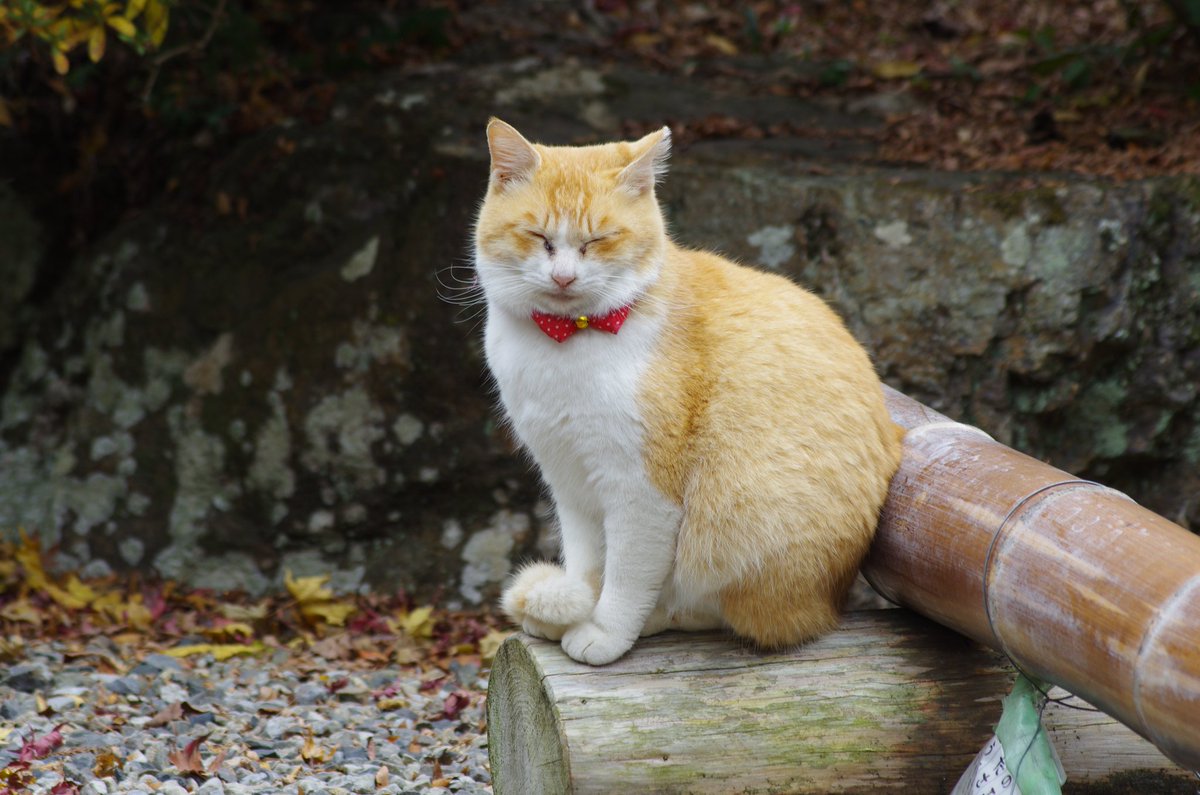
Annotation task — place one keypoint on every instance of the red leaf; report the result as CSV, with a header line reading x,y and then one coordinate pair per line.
x,y
431,684
388,691
39,748
155,602
64,788
455,703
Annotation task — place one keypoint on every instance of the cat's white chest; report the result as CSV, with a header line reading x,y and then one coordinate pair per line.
x,y
574,404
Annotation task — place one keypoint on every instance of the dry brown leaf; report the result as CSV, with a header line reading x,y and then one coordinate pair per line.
x,y
311,753
21,610
334,647
107,764
169,713
217,761
188,759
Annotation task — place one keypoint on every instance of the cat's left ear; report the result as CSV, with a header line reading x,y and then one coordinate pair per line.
x,y
651,163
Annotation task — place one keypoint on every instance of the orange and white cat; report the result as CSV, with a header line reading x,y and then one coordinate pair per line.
x,y
714,439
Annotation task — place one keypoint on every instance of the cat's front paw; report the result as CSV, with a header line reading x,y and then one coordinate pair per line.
x,y
589,643
544,592
539,629
560,600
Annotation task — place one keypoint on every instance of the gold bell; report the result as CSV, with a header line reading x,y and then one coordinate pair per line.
x,y
581,321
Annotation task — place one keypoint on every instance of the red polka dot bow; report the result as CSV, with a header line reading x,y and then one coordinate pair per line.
x,y
560,327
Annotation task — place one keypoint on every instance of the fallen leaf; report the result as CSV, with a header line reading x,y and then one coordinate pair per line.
x,y
217,761
230,631
334,647
891,70
721,44
80,590
244,612
437,777
29,555
8,568
40,747
64,788
391,703
490,643
219,651
334,613
419,623
381,776
168,714
64,597
311,752
107,764
188,760
11,648
307,589
644,39
21,610
4,732
455,703
128,611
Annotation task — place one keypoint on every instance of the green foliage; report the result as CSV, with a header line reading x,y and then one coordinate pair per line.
x,y
63,27
1076,67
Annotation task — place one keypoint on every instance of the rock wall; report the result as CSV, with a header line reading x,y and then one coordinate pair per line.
x,y
271,379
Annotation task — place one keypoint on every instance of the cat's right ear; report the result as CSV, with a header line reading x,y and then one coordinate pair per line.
x,y
513,158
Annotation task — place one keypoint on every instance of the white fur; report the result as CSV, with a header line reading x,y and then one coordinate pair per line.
x,y
574,406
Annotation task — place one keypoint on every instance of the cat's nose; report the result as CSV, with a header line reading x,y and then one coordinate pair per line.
x,y
563,280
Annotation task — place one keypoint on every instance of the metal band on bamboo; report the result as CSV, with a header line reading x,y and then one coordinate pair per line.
x,y
990,558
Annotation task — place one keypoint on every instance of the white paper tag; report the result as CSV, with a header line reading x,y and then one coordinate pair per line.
x,y
988,774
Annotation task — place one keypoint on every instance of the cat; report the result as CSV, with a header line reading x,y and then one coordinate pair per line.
x,y
714,440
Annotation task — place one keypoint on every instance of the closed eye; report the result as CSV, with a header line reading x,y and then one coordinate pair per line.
x,y
583,249
546,244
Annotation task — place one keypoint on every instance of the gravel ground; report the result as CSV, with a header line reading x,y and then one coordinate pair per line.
x,y
276,722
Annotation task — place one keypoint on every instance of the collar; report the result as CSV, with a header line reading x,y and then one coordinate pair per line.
x,y
560,327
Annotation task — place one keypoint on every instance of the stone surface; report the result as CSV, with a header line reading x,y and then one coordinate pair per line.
x,y
21,253
221,398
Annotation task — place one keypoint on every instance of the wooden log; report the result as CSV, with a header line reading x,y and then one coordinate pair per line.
x,y
889,703
1074,581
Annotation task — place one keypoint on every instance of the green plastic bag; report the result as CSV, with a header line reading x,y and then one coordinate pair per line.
x,y
1019,759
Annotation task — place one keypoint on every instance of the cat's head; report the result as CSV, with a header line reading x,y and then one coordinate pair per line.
x,y
570,230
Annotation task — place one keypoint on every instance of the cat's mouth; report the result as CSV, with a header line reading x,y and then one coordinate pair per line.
x,y
561,298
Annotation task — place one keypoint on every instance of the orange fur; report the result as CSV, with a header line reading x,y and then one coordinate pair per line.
x,y
766,422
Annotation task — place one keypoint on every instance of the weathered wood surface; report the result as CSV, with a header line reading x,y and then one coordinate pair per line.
x,y
1075,581
890,703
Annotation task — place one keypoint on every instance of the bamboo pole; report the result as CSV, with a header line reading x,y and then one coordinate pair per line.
x,y
1075,582
890,703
